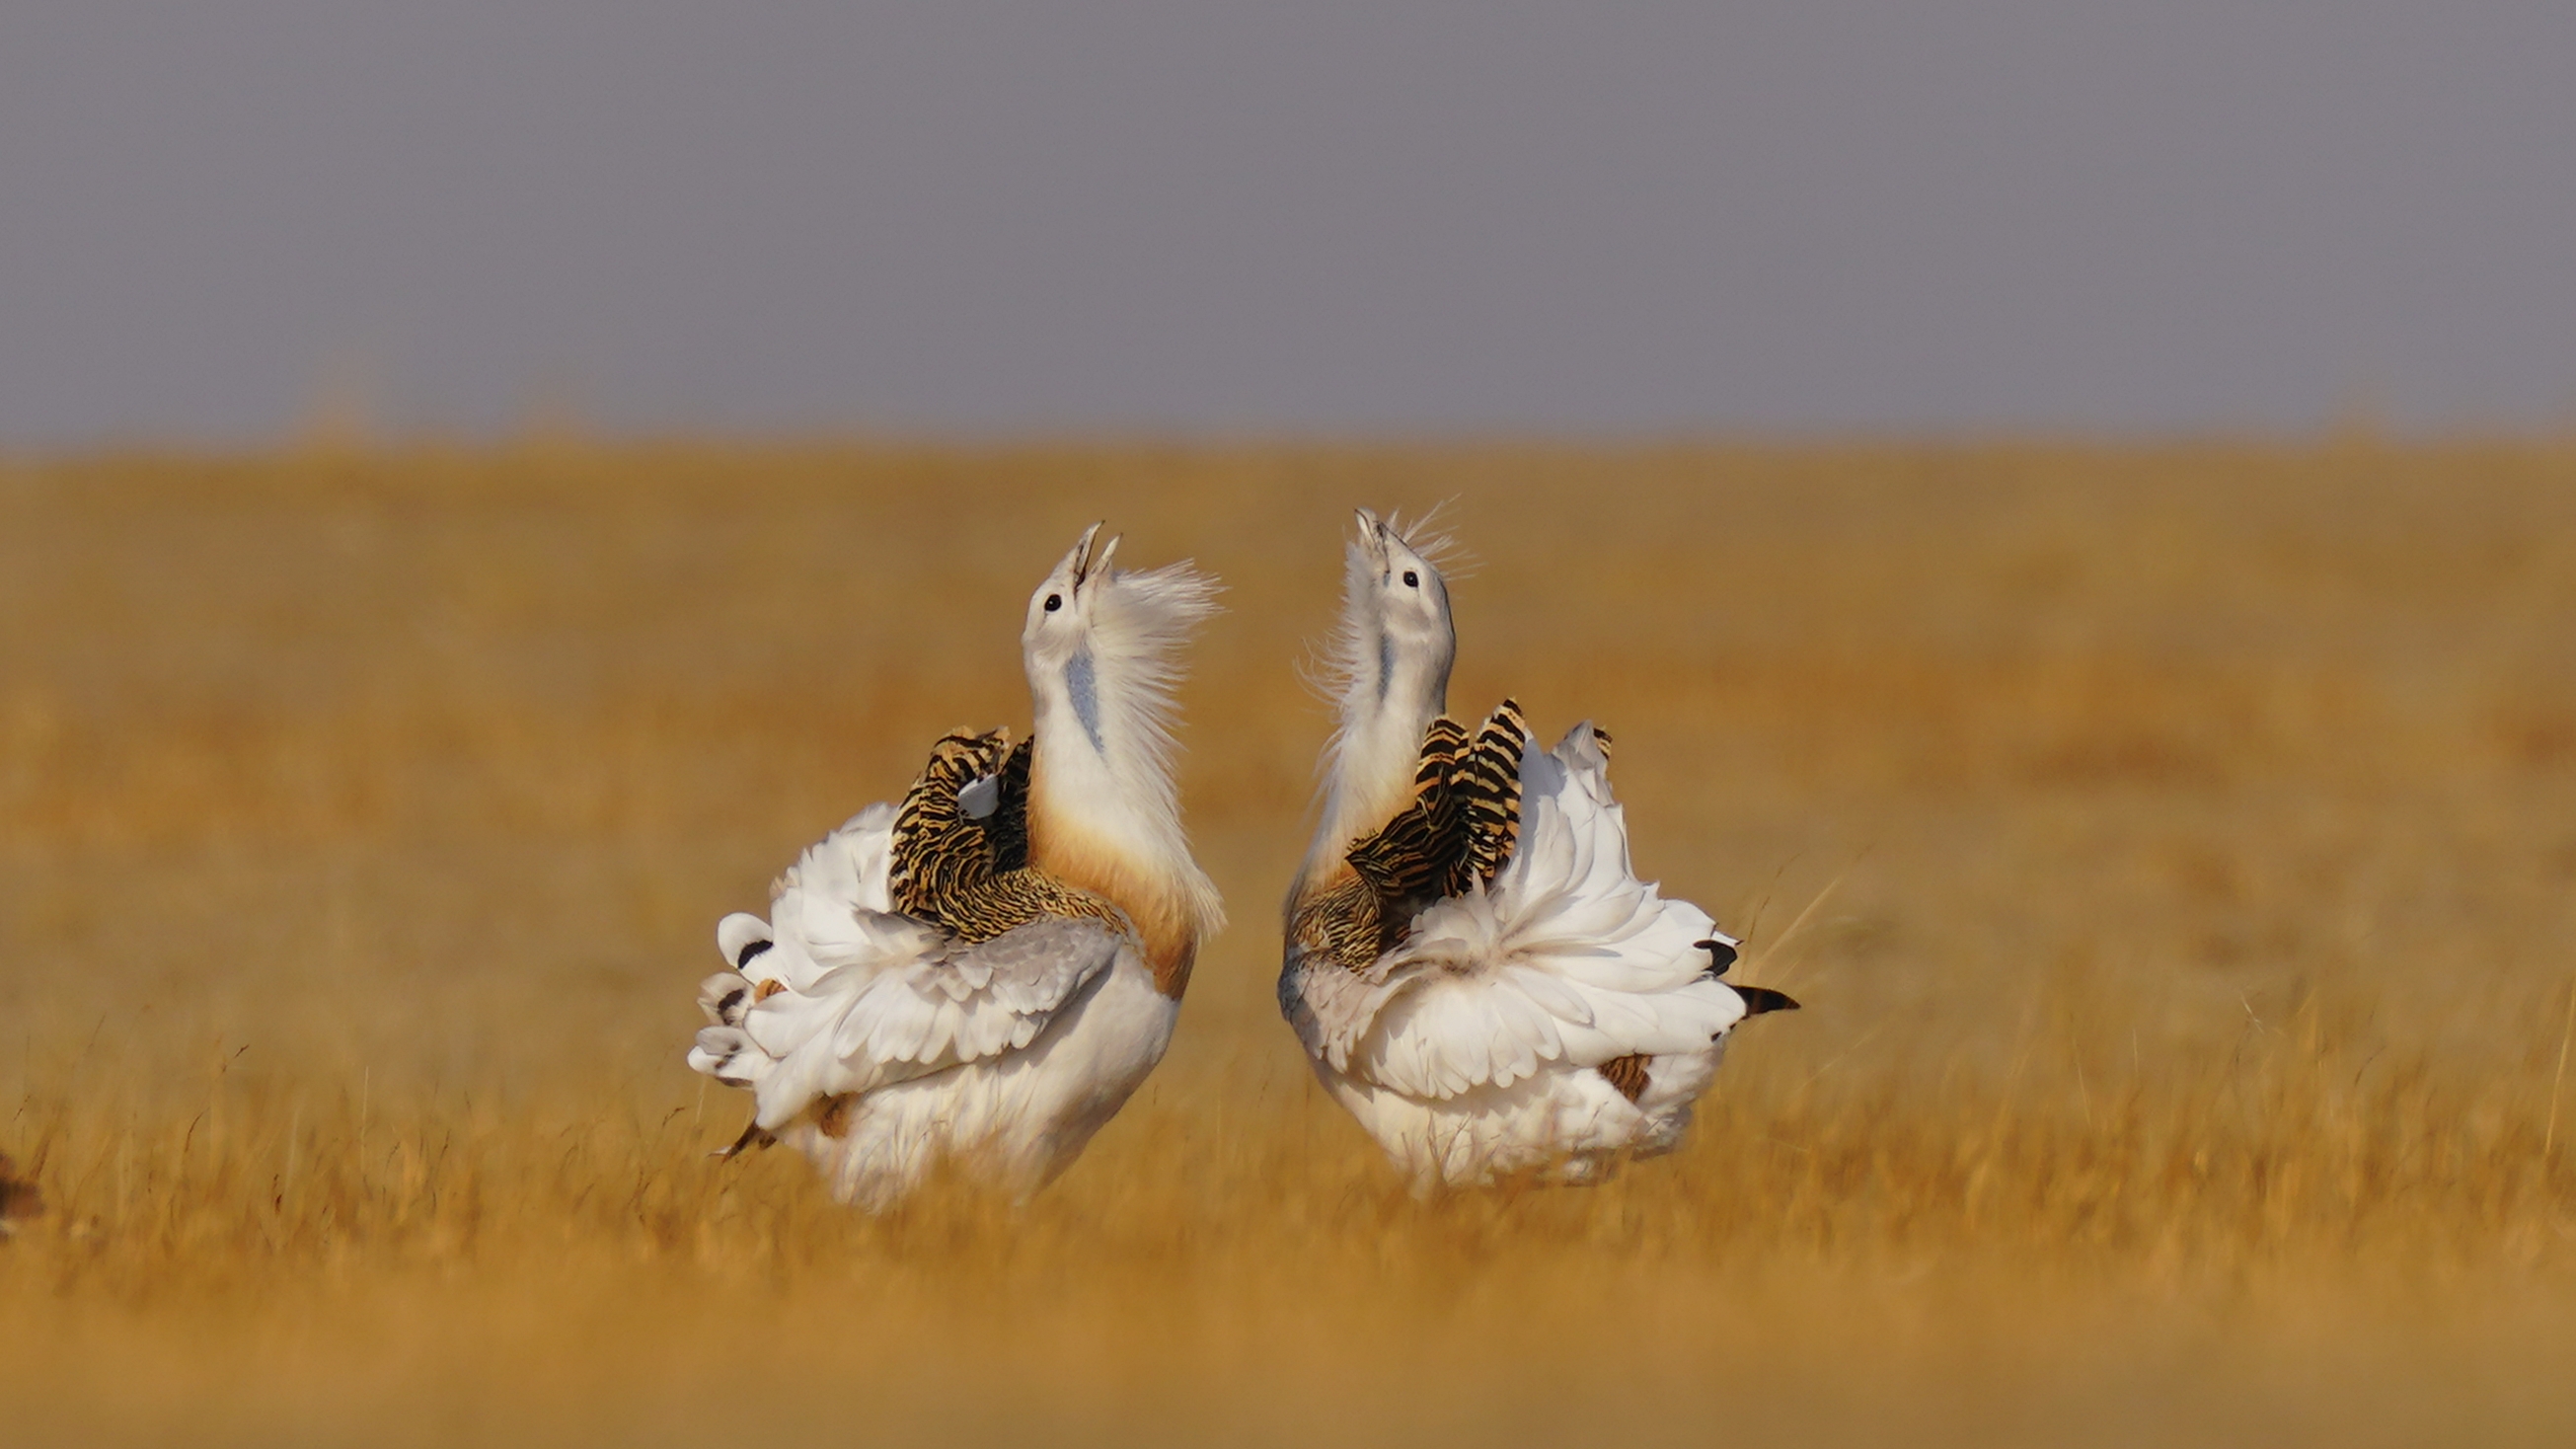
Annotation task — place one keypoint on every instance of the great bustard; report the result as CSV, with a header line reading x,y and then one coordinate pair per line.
x,y
1477,973
985,974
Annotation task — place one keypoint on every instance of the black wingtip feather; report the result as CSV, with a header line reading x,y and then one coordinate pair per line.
x,y
750,950
1721,956
1759,999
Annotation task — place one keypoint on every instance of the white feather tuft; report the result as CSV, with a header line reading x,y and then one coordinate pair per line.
x,y
1141,625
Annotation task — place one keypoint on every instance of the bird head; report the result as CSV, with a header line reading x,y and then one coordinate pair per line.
x,y
1394,586
1063,610
1102,647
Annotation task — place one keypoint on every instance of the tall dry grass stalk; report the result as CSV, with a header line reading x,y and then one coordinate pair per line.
x,y
2173,847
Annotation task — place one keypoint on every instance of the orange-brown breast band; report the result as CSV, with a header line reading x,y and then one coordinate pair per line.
x,y
1164,930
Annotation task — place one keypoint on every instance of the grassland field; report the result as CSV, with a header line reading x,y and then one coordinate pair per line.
x,y
2174,847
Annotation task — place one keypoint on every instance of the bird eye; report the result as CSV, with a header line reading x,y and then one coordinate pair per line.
x,y
1410,581
1054,602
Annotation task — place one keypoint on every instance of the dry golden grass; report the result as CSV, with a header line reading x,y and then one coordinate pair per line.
x,y
2174,848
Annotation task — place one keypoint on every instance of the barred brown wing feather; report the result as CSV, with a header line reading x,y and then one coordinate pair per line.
x,y
1442,743
1487,785
1628,1073
1409,856
1407,862
1341,925
1458,832
1006,829
970,875
940,853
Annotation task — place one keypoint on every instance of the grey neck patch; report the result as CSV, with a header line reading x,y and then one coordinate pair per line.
x,y
1385,666
1085,689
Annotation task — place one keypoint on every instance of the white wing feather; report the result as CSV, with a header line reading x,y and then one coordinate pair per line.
x,y
850,996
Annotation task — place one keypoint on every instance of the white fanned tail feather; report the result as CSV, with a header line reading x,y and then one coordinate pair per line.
x,y
878,1045
1477,1048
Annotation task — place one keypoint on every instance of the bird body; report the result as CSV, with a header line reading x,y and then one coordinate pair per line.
x,y
1472,964
985,975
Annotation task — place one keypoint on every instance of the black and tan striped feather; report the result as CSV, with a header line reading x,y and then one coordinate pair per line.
x,y
1487,787
1458,833
972,877
1442,743
1341,924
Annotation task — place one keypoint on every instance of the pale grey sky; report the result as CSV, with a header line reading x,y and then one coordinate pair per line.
x,y
1310,217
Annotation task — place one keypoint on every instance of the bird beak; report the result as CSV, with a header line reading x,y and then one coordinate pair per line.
x,y
1075,565
1372,535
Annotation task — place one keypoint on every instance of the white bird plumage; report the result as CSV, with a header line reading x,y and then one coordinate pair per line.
x,y
1563,1017
879,1044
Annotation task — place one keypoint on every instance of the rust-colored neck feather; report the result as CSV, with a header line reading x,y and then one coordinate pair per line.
x,y
1166,928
